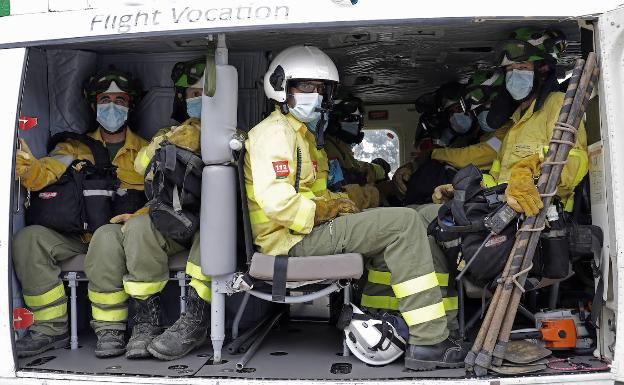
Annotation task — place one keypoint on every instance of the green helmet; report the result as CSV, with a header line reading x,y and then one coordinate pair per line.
x,y
529,44
449,94
103,80
482,87
186,74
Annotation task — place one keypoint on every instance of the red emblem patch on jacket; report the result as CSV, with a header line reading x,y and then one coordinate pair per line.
x,y
281,169
315,164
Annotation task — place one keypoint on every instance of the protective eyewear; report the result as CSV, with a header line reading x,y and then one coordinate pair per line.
x,y
102,84
186,74
520,51
308,86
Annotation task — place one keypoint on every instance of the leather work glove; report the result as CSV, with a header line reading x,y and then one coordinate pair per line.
x,y
443,193
121,218
364,197
124,218
327,210
186,136
521,192
24,160
401,177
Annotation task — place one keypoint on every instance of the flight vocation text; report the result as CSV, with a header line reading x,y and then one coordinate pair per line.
x,y
183,15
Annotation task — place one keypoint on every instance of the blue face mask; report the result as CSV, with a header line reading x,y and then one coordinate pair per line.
x,y
460,122
111,116
482,118
352,128
519,83
193,107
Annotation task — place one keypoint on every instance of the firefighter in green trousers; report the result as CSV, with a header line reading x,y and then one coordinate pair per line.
x,y
287,218
37,250
147,251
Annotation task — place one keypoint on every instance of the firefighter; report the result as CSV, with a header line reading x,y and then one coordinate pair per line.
x,y
529,60
37,250
289,219
344,130
147,250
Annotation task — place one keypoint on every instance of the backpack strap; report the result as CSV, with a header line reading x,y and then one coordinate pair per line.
x,y
100,153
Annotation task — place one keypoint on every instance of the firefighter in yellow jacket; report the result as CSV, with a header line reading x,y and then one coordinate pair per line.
x,y
289,219
529,60
37,250
147,250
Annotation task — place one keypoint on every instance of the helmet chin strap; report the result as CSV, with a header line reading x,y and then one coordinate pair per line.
x,y
320,128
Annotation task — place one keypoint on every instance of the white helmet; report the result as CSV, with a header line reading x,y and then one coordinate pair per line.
x,y
373,341
297,62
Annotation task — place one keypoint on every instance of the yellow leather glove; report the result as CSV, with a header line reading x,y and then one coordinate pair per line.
x,y
121,218
521,192
24,160
401,176
186,136
364,197
443,193
124,218
327,210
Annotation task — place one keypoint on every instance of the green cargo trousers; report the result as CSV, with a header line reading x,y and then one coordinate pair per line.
x,y
147,256
377,293
397,236
37,250
144,271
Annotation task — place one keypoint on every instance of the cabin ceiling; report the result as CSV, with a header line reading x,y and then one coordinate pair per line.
x,y
384,64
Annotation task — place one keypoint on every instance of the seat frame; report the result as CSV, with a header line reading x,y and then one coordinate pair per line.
x,y
74,276
221,287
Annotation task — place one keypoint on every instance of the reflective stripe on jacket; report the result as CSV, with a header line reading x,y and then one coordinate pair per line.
x,y
48,169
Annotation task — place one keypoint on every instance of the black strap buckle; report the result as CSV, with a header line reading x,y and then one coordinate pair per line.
x,y
491,197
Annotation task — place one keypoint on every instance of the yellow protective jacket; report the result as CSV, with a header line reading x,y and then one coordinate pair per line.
x,y
191,125
47,170
280,216
530,134
341,151
481,154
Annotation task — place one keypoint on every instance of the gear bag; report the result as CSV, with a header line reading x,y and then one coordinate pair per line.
x,y
173,187
83,198
460,226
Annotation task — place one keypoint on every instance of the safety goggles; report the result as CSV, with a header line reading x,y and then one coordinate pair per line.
x,y
103,83
310,86
515,51
189,73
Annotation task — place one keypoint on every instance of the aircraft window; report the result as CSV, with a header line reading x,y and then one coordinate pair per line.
x,y
381,143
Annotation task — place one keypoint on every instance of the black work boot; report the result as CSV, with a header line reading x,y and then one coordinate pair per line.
x,y
110,343
187,333
147,325
446,354
33,343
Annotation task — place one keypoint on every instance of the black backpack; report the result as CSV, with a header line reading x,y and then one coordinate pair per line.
x,y
82,199
460,226
173,187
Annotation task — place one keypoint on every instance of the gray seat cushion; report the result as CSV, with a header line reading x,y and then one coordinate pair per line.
x,y
177,262
339,266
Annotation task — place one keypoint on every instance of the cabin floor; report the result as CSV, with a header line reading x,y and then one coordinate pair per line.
x,y
292,350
